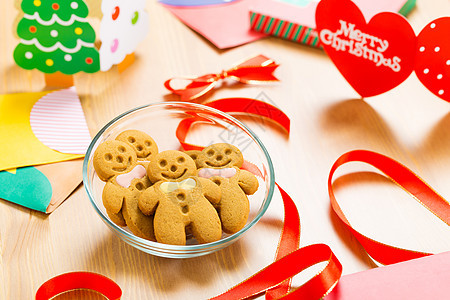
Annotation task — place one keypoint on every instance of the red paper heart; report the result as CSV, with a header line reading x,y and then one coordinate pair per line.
x,y
433,57
373,57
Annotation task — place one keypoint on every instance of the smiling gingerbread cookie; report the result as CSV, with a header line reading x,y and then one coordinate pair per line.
x,y
116,163
143,144
219,155
220,163
180,201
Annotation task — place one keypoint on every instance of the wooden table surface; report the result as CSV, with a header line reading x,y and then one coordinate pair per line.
x,y
328,119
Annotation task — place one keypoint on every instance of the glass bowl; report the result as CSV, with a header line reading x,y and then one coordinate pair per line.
x,y
160,121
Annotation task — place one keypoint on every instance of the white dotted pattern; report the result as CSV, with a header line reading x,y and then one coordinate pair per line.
x,y
435,75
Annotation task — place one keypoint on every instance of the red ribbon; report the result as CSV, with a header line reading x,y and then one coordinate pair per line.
x,y
79,280
275,279
232,105
253,70
410,182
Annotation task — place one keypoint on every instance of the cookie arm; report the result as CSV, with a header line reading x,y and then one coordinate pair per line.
x,y
211,191
148,201
248,182
113,196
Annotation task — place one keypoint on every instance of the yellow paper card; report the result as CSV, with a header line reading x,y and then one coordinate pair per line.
x,y
29,143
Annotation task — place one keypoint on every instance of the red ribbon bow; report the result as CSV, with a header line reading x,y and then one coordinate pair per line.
x,y
253,70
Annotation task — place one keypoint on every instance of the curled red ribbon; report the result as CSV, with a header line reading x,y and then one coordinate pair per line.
x,y
79,280
275,279
247,106
403,177
253,70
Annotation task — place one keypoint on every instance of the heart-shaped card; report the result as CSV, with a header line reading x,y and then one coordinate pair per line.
x,y
373,57
433,57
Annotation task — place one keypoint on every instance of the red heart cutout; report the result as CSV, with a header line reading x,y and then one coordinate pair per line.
x,y
433,57
373,57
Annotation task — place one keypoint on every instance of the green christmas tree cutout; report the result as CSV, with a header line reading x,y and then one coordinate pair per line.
x,y
55,36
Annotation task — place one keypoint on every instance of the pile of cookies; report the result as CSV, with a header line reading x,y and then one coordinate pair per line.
x,y
166,196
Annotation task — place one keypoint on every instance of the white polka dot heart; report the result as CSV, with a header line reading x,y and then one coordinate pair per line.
x,y
377,55
432,65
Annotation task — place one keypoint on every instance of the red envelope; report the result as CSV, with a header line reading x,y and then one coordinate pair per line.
x,y
423,278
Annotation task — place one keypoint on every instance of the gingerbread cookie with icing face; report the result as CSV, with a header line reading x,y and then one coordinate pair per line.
x,y
116,163
141,142
220,163
179,200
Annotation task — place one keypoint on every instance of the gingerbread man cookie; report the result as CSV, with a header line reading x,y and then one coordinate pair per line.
x,y
142,143
180,201
219,155
220,163
116,163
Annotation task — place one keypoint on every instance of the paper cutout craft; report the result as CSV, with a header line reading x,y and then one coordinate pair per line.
x,y
432,65
55,36
57,120
294,20
123,27
224,25
373,57
42,188
423,278
64,177
194,2
58,80
26,186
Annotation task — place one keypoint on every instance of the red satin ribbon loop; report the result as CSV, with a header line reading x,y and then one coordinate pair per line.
x,y
289,241
275,279
287,267
249,106
253,70
246,106
410,182
79,280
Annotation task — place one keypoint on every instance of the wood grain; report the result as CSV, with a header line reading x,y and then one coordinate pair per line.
x,y
407,123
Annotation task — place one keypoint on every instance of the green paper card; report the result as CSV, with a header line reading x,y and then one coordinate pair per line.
x,y
26,186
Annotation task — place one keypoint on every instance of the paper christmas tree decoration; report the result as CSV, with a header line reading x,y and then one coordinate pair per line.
x,y
56,37
123,27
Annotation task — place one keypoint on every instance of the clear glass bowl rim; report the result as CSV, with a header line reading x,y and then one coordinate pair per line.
x,y
155,245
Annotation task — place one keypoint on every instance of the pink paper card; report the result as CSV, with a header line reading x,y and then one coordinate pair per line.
x,y
225,25
423,278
